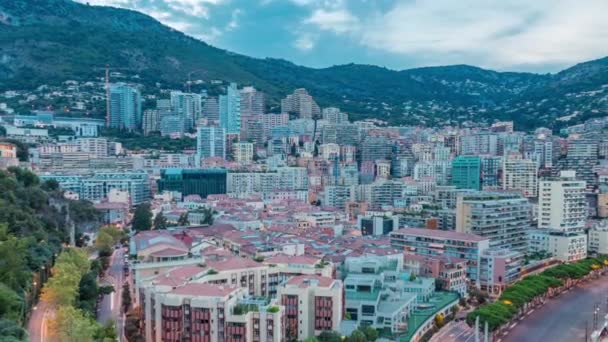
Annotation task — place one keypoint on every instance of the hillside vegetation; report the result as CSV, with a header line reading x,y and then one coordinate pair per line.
x,y
50,41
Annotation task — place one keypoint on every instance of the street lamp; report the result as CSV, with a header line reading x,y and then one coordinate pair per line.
x,y
596,310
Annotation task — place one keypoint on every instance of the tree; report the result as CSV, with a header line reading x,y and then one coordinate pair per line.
x,y
117,234
439,320
13,267
183,220
10,303
104,242
87,292
160,221
330,336
126,298
371,334
11,331
208,218
357,336
62,288
106,333
132,326
50,185
142,218
24,176
72,325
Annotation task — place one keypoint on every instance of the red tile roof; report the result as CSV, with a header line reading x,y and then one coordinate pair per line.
x,y
304,281
177,276
232,263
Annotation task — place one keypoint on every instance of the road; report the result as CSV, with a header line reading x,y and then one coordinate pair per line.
x,y
110,305
37,325
455,332
565,317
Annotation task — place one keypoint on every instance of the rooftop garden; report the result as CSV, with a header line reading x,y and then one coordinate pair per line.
x,y
243,309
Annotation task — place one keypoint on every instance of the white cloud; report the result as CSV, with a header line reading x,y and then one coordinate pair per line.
x,y
339,20
197,8
494,34
305,42
234,20
210,36
115,3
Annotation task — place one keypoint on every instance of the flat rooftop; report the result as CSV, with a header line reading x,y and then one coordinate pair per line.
x,y
439,234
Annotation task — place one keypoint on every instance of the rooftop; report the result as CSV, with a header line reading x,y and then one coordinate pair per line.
x,y
439,234
304,281
232,263
204,290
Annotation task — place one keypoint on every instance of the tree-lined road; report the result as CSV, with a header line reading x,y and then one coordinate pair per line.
x,y
110,305
565,317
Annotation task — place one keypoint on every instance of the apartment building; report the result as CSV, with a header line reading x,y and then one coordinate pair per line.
x,y
520,175
561,204
437,243
501,217
201,312
312,303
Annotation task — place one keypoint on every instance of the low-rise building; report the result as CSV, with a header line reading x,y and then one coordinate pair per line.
x,y
498,269
380,294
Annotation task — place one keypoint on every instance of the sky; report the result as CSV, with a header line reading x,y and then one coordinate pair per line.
x,y
508,35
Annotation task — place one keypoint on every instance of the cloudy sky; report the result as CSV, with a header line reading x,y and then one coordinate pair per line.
x,y
518,35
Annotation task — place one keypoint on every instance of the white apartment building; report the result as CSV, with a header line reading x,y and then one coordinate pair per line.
x,y
520,175
95,147
338,195
598,238
329,151
561,204
284,179
564,246
243,152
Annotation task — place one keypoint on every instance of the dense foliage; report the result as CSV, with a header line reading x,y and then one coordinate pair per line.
x,y
33,223
68,289
142,218
515,297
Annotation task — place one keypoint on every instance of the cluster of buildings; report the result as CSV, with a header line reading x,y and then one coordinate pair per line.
x,y
321,223
208,283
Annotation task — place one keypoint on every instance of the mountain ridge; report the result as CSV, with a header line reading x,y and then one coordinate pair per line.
x,y
49,41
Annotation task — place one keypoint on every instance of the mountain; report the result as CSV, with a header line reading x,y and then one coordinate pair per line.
x,y
50,41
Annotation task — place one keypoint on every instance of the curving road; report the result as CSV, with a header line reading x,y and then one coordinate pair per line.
x,y
38,323
564,318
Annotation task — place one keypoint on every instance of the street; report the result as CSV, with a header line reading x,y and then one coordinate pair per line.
x,y
110,305
565,317
37,325
453,332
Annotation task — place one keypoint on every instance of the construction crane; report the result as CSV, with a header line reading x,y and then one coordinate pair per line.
x,y
202,71
107,86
